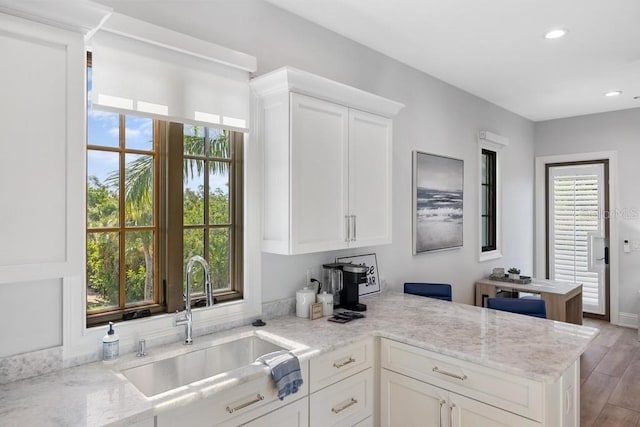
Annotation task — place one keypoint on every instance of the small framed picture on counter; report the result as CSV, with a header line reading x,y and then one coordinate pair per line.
x,y
372,284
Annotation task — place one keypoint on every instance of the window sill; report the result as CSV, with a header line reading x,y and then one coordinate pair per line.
x,y
490,255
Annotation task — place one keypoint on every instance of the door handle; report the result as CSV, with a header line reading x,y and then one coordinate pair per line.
x,y
353,217
347,226
606,255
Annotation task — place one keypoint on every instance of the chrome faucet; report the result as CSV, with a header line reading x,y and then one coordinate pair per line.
x,y
187,318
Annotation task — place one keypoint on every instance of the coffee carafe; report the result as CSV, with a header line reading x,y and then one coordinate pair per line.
x,y
332,280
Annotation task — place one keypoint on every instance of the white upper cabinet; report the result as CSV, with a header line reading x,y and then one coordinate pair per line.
x,y
327,151
319,174
42,145
370,155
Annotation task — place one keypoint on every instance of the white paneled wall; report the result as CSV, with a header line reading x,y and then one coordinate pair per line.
x,y
41,165
32,316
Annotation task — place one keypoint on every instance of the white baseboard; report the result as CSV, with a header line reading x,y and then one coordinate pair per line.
x,y
629,320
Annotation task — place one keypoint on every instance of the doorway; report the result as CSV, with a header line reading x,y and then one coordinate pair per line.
x,y
577,230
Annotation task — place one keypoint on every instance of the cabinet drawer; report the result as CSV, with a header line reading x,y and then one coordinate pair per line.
x,y
295,414
515,394
339,364
233,406
345,403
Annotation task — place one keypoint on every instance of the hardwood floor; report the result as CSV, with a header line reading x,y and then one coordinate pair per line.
x,y
610,377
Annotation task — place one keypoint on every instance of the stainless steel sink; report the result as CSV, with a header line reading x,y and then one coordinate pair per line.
x,y
174,372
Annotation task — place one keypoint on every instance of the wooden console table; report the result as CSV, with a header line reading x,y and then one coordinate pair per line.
x,y
563,300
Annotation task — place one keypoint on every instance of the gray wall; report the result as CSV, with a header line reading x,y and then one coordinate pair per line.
x,y
616,131
438,118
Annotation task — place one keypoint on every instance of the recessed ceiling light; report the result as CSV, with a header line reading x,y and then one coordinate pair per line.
x,y
555,34
613,93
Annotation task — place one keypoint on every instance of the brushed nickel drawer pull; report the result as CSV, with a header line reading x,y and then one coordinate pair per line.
x,y
449,374
257,399
351,402
453,405
346,362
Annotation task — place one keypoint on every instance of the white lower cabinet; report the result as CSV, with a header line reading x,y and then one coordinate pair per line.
x,y
421,387
295,414
345,403
408,402
343,386
465,412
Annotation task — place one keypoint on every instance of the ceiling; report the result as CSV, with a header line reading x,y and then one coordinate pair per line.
x,y
496,49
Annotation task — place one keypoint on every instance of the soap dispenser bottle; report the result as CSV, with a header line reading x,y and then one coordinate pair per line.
x,y
110,345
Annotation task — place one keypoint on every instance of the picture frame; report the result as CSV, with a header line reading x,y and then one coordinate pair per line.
x,y
438,193
372,285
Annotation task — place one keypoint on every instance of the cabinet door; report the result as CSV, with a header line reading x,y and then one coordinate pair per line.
x,y
407,402
295,414
370,159
465,412
319,174
41,153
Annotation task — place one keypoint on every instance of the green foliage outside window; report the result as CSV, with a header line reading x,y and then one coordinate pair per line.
x,y
102,211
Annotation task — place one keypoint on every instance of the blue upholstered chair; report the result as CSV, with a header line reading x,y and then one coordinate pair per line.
x,y
432,290
529,307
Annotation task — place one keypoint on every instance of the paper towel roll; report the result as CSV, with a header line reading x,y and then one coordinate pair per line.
x,y
327,303
304,298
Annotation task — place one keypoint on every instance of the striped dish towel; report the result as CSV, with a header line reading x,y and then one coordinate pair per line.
x,y
285,370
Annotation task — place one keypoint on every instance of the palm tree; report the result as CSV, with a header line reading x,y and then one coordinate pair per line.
x,y
138,186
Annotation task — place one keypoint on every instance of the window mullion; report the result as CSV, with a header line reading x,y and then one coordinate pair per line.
x,y
122,213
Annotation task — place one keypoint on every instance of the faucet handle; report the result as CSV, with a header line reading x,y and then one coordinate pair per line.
x,y
141,348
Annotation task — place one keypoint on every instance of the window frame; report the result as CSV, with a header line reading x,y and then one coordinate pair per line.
x,y
124,310
488,240
175,225
491,142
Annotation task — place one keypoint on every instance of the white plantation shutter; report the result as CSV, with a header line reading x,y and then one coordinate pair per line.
x,y
576,202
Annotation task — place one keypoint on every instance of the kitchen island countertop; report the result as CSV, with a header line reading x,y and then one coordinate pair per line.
x,y
97,394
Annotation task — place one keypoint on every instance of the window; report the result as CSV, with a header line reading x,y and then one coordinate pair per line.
x,y
488,195
210,166
144,173
490,151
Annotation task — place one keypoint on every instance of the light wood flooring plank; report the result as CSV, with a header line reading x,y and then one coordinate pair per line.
x,y
617,359
609,334
590,359
614,416
629,336
594,395
627,393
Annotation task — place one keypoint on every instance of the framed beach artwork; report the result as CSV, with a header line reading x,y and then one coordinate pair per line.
x,y
437,202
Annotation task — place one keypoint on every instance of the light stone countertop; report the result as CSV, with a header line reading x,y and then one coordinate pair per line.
x,y
98,394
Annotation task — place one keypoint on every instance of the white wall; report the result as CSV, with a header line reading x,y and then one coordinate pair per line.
x,y
438,118
616,131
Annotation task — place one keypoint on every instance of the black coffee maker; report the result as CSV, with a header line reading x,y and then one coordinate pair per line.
x,y
353,275
346,284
